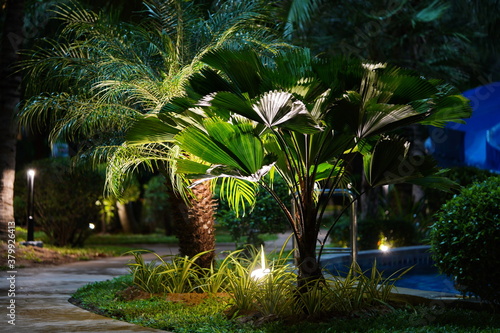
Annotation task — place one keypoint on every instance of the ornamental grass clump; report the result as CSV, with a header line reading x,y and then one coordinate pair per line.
x,y
263,286
179,275
257,285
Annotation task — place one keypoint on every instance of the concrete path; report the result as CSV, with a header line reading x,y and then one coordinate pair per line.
x,y
36,299
41,298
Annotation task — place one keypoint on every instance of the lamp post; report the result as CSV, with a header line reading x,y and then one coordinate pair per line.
x,y
31,211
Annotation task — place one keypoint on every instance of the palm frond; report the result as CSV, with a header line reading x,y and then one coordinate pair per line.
x,y
124,160
239,194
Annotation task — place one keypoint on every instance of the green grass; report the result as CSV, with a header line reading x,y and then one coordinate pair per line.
x,y
222,236
128,239
91,251
155,312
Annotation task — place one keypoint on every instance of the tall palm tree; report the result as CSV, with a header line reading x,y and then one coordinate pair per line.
x,y
11,41
108,74
308,117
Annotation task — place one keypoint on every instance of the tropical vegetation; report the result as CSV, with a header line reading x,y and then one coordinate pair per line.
x,y
204,91
106,73
310,119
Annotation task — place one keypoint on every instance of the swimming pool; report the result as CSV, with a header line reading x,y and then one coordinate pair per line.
x,y
423,276
430,281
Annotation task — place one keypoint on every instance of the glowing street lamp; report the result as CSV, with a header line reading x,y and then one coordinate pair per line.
x,y
31,210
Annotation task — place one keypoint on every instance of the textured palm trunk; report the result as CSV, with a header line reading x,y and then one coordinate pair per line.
x,y
308,266
12,38
307,262
194,224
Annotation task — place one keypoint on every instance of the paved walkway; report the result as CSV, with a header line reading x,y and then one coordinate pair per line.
x,y
41,298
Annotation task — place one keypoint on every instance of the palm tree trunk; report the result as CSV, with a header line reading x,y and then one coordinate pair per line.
x,y
307,238
194,224
9,97
307,262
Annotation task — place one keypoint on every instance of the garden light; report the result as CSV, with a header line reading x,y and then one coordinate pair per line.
x,y
91,226
31,213
384,247
261,272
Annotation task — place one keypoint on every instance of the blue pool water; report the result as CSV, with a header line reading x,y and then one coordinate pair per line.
x,y
430,281
424,275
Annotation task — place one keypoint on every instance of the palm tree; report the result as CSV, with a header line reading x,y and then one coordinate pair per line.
x,y
307,118
11,40
108,74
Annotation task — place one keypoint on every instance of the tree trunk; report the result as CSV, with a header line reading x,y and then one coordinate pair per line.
x,y
194,224
9,98
309,268
125,218
370,200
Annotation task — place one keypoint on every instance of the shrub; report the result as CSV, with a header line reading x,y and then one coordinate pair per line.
x,y
465,238
179,275
64,199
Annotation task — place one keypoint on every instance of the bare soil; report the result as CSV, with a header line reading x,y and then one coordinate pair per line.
x,y
133,293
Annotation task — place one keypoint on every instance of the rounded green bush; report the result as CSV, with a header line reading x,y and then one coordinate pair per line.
x,y
465,239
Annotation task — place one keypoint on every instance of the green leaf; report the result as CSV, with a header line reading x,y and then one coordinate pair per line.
x,y
438,182
190,167
433,12
150,129
451,108
324,171
239,194
238,104
200,144
242,67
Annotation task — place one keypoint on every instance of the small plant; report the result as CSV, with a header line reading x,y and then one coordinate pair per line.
x,y
465,238
216,277
272,284
146,276
180,275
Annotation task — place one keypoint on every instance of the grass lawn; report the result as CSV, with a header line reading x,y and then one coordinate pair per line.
x,y
106,298
155,238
